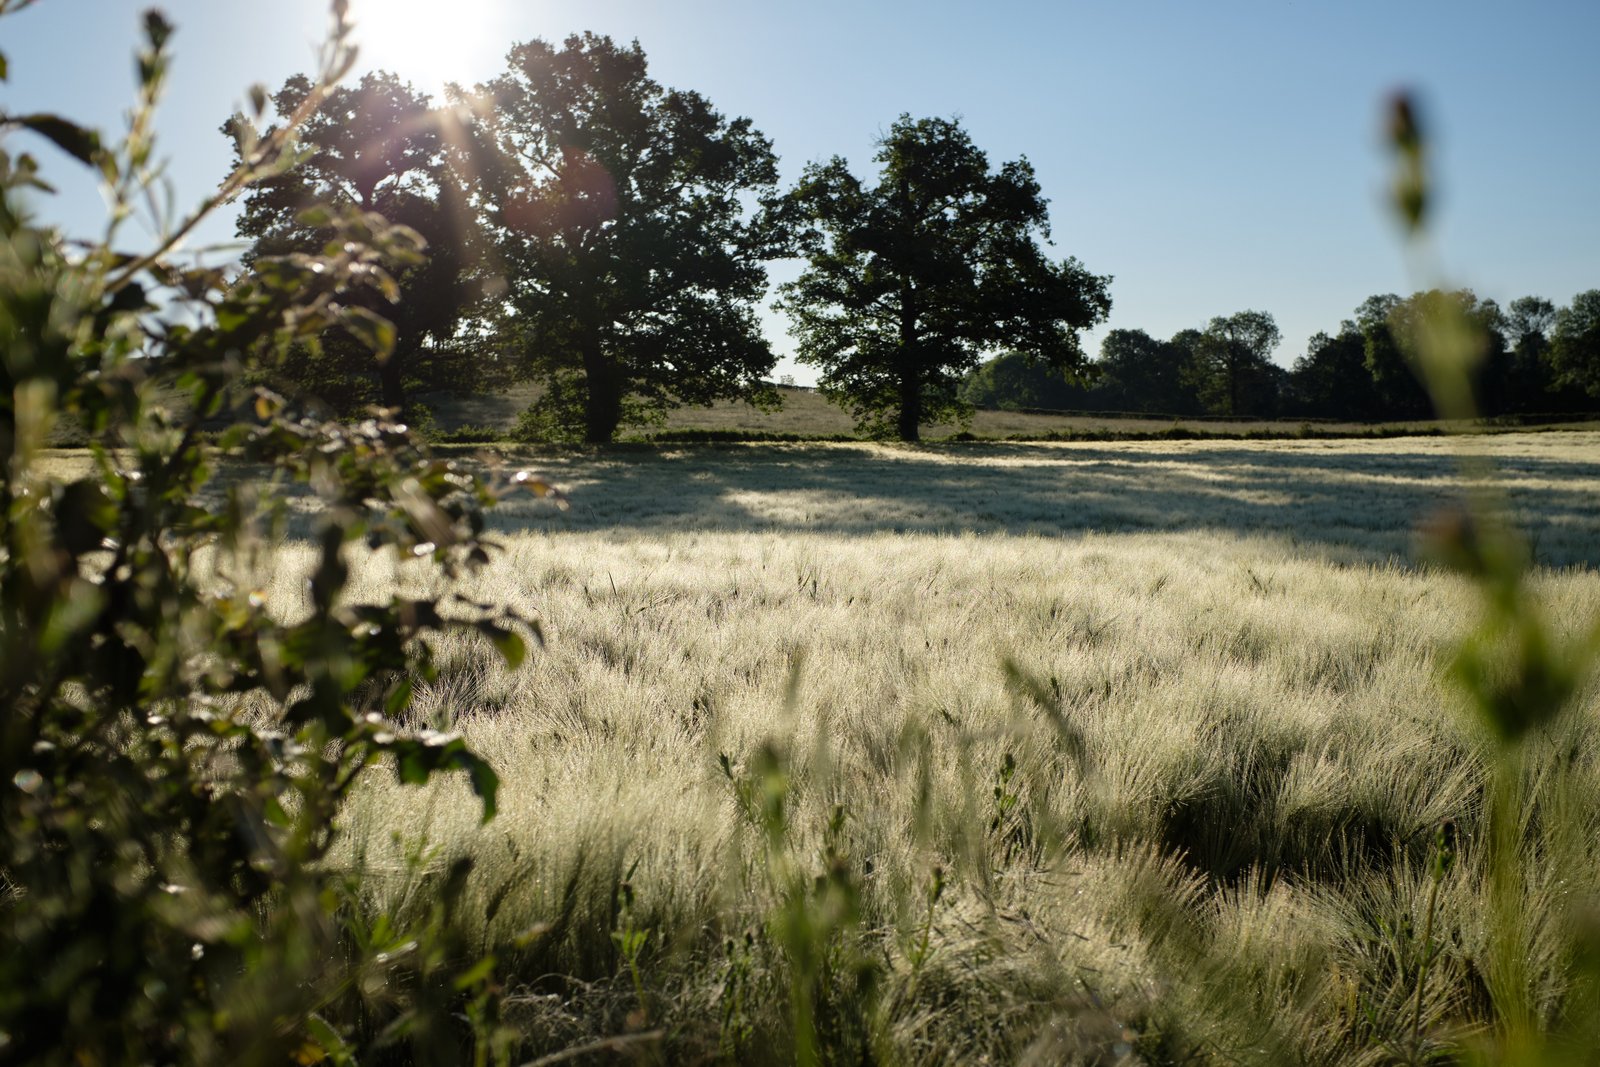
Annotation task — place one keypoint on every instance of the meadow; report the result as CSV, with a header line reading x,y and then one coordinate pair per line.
x,y
1039,753
975,752
806,412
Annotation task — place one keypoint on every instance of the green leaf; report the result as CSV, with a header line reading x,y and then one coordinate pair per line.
x,y
329,1041
315,217
399,699
513,649
371,329
272,811
478,972
413,767
77,141
69,615
417,757
485,783
85,513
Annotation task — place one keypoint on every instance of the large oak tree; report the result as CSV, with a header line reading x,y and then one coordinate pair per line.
x,y
625,219
913,279
376,146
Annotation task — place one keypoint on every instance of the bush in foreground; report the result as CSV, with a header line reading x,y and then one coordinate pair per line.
x,y
174,755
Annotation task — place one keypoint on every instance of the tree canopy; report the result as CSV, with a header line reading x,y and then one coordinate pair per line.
x,y
610,236
1141,373
1233,365
1400,393
623,223
1575,342
375,147
913,279
1366,371
1332,380
1012,380
177,752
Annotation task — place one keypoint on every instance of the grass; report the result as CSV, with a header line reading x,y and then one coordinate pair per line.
x,y
807,414
1354,500
1024,753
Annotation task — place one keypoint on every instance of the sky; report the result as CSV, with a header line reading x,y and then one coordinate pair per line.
x,y
1212,157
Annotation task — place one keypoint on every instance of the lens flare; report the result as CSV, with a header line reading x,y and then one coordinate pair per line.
x,y
429,42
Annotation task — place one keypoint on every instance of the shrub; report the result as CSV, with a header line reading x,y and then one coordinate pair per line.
x,y
174,754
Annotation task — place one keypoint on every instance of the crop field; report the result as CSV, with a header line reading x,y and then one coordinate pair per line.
x,y
990,754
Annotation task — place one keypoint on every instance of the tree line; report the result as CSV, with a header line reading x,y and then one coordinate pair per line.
x,y
608,237
1533,358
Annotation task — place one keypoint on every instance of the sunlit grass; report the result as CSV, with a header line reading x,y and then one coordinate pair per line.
x,y
1237,636
1352,499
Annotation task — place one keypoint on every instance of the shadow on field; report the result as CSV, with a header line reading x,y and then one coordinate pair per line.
x,y
1360,500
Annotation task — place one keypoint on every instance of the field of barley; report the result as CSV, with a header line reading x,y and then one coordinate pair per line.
x,y
1023,753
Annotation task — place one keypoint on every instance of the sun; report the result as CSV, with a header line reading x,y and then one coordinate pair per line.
x,y
431,42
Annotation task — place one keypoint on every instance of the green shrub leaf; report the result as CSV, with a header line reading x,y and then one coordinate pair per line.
x,y
80,142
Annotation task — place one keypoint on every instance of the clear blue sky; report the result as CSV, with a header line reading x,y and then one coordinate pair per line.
x,y
1211,156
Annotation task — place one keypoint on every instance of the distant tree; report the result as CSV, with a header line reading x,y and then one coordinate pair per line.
x,y
1140,373
1012,381
1534,383
1575,343
375,146
620,212
1331,380
1400,392
913,279
1494,378
1529,320
1185,345
1531,381
1233,364
1393,331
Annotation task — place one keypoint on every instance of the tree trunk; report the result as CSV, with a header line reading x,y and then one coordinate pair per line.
x,y
391,390
602,402
910,404
910,426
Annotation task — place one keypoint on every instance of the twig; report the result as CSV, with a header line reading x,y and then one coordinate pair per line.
x,y
605,1044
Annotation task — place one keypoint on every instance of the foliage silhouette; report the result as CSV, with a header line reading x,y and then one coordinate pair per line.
x,y
619,215
1012,380
1331,380
1233,369
1141,373
912,280
1575,342
376,146
1366,372
176,750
